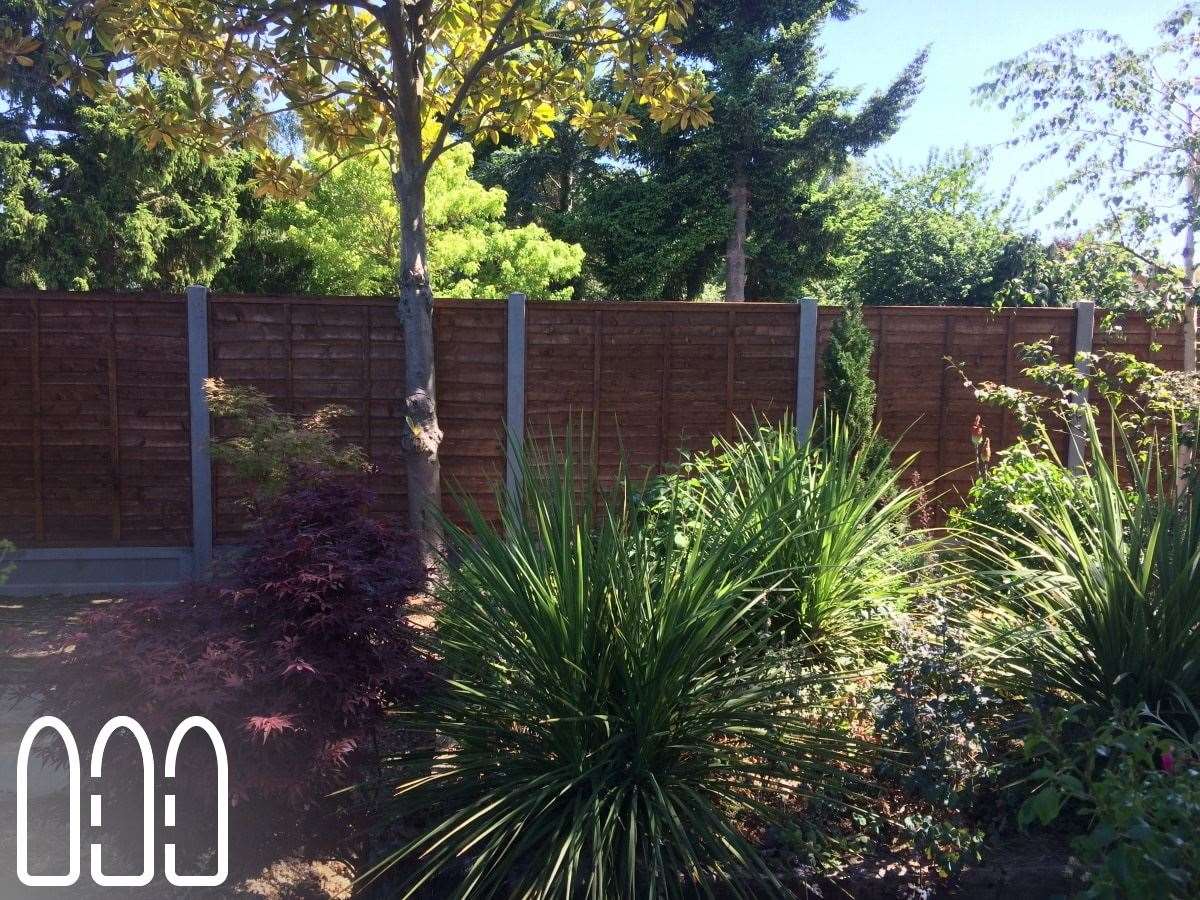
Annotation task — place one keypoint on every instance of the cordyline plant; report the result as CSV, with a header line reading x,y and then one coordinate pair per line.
x,y
845,561
1094,600
612,713
407,78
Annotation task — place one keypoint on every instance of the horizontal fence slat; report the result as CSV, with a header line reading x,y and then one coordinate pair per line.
x,y
94,422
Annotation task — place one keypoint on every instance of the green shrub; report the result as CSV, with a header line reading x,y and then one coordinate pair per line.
x,y
1133,783
846,561
932,709
849,390
267,446
1024,480
1099,604
612,713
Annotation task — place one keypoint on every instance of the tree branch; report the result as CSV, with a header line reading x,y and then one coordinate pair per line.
x,y
468,82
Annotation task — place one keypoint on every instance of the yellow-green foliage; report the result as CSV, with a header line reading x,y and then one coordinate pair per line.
x,y
267,445
347,231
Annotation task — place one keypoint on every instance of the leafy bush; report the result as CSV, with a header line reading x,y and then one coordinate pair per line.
x,y
267,446
1025,479
1099,607
1135,782
294,660
612,719
341,238
322,594
1151,408
938,719
845,561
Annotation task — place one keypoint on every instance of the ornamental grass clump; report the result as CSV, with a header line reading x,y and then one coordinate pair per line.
x,y
613,720
1093,595
846,558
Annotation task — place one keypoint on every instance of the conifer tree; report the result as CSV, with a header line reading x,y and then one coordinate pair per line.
x,y
849,390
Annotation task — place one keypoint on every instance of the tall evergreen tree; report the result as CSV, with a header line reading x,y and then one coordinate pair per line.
x,y
748,195
93,208
780,131
84,203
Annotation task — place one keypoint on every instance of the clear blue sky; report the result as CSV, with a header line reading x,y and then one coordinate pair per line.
x,y
966,37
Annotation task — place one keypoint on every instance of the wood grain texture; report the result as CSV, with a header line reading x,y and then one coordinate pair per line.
x,y
94,440
94,434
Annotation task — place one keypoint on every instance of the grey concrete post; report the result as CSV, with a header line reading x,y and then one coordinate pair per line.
x,y
202,499
806,369
514,405
1085,325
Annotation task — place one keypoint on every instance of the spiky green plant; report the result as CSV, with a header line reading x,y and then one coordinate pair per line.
x,y
1097,601
847,559
612,708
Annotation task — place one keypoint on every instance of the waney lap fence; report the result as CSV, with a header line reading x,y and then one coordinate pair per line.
x,y
103,462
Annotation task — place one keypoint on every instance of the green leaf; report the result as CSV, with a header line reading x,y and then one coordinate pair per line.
x,y
1043,807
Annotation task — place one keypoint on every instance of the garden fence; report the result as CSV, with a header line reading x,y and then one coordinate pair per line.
x,y
104,471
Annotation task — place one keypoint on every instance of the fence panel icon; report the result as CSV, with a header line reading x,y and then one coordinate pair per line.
x,y
149,805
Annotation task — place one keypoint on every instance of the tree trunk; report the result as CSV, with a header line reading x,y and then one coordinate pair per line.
x,y
735,248
422,436
1189,271
1184,463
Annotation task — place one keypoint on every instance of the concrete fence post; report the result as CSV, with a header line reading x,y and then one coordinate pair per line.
x,y
806,368
1085,325
202,499
514,403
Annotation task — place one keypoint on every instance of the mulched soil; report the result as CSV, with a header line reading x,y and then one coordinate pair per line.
x,y
1029,867
27,625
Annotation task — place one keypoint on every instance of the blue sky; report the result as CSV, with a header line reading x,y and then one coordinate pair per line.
x,y
966,37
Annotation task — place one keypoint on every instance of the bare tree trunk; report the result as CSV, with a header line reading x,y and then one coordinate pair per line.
x,y
735,248
422,436
1184,463
1189,272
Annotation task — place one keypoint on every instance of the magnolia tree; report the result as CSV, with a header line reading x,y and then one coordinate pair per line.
x,y
1125,122
410,78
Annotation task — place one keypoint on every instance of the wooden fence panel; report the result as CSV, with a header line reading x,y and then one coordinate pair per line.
x,y
636,383
20,492
94,433
250,344
471,337
922,405
150,415
78,478
94,423
305,353
308,352
764,365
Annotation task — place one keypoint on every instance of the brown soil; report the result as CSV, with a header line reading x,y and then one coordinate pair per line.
x,y
26,626
1031,867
